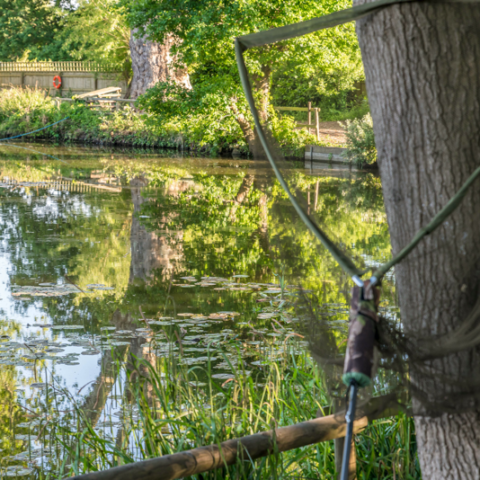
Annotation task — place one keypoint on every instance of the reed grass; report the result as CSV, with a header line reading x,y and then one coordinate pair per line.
x,y
168,408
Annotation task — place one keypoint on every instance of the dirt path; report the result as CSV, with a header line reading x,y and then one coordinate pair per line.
x,y
332,132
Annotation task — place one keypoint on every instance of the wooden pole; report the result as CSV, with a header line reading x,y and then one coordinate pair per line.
x,y
203,459
316,196
309,115
317,124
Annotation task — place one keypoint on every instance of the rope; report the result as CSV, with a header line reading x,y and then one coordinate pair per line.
x,y
34,131
274,35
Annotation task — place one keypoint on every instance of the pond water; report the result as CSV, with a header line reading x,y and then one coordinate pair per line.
x,y
112,257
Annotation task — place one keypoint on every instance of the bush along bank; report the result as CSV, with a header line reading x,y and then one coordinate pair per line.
x,y
361,150
25,110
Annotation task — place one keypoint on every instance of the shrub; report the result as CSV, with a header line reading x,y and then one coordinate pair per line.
x,y
361,149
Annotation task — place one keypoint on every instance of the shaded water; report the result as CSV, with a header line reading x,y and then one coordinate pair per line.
x,y
107,257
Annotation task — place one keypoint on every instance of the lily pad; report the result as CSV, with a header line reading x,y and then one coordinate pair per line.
x,y
223,376
67,327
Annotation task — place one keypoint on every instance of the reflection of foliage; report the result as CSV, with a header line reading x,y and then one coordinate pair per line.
x,y
214,242
100,255
9,410
351,212
210,231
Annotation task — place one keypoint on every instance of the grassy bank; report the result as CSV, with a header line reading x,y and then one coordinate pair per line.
x,y
25,110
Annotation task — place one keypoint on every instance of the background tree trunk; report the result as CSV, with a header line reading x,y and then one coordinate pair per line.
x,y
153,62
422,66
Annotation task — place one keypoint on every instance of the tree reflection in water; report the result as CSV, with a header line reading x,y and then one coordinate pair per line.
x,y
171,220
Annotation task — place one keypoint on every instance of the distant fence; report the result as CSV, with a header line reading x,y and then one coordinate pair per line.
x,y
102,103
77,77
59,67
309,123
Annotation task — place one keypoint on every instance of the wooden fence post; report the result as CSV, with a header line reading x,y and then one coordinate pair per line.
x,y
309,115
317,124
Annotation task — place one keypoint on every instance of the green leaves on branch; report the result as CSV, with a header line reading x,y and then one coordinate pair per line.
x,y
361,141
30,29
97,30
322,65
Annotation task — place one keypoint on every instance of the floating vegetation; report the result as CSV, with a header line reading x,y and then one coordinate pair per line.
x,y
45,290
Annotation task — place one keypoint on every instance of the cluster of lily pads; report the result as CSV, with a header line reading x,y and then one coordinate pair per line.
x,y
222,284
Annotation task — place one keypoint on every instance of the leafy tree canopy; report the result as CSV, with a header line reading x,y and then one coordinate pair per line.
x,y
97,31
321,64
207,29
30,29
64,30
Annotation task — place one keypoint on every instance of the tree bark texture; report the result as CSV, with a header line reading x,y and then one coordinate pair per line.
x,y
261,86
422,66
153,62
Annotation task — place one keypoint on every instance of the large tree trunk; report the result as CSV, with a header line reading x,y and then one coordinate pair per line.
x,y
422,65
261,85
153,62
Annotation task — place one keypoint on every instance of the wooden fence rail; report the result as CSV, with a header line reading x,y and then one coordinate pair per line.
x,y
59,67
116,103
251,447
309,124
203,459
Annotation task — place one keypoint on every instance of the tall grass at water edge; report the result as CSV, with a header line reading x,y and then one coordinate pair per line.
x,y
27,109
169,408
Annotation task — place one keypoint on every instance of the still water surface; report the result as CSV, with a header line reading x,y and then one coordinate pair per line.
x,y
150,255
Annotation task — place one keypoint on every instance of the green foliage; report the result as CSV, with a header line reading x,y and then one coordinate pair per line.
x,y
25,110
207,29
206,116
97,31
361,141
204,129
202,116
64,30
344,111
319,65
32,29
388,449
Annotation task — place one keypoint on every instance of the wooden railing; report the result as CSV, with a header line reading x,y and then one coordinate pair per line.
x,y
59,67
309,109
111,103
